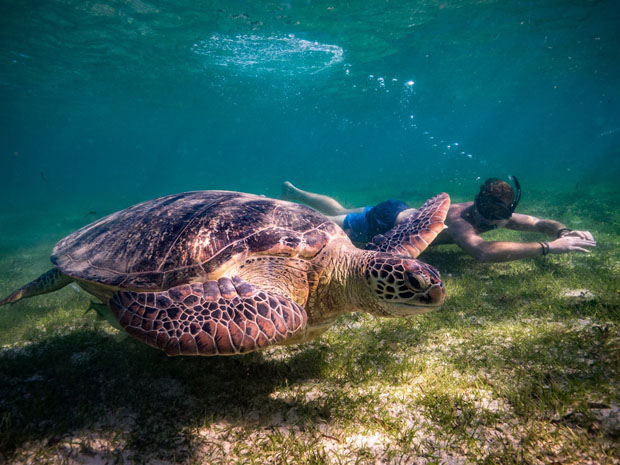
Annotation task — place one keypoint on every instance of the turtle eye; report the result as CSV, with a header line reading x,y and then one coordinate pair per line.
x,y
415,282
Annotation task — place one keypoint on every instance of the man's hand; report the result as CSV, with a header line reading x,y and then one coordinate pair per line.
x,y
587,235
579,241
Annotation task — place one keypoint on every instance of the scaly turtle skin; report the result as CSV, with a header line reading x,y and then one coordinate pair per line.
x,y
220,273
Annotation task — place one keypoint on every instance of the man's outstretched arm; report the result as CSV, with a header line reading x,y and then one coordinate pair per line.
x,y
470,241
551,228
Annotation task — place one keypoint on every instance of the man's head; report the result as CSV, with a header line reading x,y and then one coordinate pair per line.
x,y
497,199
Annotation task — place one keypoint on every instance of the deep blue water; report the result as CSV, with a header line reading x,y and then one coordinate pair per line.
x,y
107,103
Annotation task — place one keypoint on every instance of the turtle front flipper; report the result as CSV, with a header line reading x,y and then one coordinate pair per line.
x,y
50,281
413,235
223,317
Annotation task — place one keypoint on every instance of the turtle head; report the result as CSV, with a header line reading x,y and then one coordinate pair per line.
x,y
403,286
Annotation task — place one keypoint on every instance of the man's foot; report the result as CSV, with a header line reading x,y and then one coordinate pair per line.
x,y
289,192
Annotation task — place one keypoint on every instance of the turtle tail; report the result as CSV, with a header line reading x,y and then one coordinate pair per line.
x,y
50,281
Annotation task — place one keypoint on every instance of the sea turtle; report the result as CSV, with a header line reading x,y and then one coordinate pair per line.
x,y
221,273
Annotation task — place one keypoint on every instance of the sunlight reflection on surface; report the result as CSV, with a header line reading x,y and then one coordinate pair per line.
x,y
285,54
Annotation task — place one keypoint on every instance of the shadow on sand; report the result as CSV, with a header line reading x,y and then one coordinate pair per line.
x,y
92,381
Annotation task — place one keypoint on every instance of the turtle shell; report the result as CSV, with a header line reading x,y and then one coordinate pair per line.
x,y
184,238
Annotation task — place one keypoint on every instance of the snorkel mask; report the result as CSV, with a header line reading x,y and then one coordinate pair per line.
x,y
501,211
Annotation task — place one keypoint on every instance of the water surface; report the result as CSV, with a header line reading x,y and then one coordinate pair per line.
x,y
107,103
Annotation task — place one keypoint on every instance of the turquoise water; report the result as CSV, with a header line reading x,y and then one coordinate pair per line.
x,y
108,103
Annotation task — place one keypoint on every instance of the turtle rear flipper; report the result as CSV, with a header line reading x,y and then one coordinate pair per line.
x,y
103,313
223,317
413,235
49,281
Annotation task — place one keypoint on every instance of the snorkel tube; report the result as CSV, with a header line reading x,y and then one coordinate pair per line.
x,y
517,197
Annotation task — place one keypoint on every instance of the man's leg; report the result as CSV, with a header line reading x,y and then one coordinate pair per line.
x,y
338,219
322,203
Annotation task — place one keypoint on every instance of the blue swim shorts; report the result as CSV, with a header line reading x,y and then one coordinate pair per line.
x,y
363,226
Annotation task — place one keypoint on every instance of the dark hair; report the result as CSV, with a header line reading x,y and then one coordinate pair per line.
x,y
497,199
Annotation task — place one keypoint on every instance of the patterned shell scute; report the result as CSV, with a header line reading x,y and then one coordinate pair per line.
x,y
181,238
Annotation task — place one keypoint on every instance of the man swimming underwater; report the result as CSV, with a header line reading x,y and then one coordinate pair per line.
x,y
492,208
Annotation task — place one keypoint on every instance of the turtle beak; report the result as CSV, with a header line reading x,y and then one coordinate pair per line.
x,y
436,294
433,297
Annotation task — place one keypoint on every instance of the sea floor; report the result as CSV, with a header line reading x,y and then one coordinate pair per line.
x,y
521,365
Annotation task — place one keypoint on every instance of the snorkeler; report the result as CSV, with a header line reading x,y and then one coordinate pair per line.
x,y
492,208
